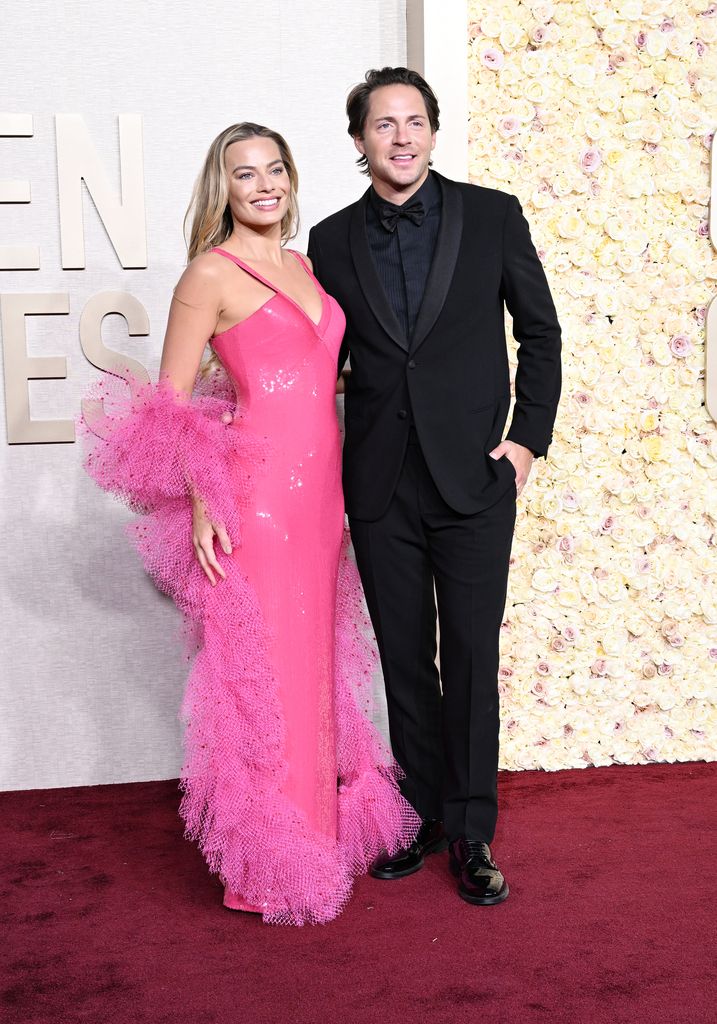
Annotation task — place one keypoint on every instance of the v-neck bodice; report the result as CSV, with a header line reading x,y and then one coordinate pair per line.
x,y
278,292
283,366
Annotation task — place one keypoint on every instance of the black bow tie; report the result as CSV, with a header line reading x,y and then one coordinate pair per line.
x,y
389,214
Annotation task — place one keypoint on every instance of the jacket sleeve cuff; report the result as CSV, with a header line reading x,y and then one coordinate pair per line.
x,y
517,436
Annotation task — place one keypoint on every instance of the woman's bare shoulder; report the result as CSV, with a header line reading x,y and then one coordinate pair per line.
x,y
204,276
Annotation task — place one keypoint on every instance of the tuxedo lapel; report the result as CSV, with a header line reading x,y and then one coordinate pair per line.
x,y
368,278
444,261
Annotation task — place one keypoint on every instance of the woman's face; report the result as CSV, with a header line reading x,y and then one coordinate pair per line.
x,y
258,182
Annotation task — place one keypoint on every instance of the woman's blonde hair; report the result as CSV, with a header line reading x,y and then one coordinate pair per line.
x,y
208,220
208,216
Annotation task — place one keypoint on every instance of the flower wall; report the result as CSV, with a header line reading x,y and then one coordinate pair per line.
x,y
599,117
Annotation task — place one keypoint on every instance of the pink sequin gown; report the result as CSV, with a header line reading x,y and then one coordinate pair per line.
x,y
283,367
288,788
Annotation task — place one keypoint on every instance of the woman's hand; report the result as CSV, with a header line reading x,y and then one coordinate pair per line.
x,y
203,534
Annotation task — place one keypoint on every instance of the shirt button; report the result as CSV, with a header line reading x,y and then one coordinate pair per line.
x,y
412,364
402,414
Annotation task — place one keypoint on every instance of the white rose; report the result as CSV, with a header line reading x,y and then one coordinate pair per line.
x,y
583,76
656,44
491,24
512,36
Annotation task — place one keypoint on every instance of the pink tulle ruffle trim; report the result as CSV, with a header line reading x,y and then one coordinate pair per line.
x,y
147,452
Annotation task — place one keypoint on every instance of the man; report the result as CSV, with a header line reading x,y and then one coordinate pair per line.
x,y
423,267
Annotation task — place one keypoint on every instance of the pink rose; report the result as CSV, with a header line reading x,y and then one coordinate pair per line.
x,y
505,672
667,26
607,524
492,58
664,669
712,654
616,60
651,148
675,640
680,345
701,47
570,501
570,633
566,544
640,40
704,229
508,126
590,159
643,564
542,668
538,34
558,644
582,398
599,667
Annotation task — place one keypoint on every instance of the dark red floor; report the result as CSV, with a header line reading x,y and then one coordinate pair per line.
x,y
109,916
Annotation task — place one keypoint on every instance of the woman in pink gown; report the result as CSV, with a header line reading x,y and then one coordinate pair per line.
x,y
288,788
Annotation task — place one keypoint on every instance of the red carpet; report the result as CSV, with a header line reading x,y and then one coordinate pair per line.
x,y
109,917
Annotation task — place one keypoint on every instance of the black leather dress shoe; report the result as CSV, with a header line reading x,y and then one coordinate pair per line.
x,y
431,838
480,880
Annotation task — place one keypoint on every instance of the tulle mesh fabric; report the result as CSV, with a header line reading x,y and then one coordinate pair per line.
x,y
147,451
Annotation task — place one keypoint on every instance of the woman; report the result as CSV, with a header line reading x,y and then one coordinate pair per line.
x,y
277,699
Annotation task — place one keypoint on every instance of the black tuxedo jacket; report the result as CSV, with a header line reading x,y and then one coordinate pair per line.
x,y
451,377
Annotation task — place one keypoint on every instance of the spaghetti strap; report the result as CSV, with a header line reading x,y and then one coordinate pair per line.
x,y
249,270
302,261
279,291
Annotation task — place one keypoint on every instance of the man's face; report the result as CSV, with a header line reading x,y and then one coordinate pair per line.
x,y
397,141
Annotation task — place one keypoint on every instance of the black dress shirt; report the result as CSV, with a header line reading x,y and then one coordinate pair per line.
x,y
403,257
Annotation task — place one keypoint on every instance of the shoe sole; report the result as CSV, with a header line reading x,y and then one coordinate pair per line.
x,y
387,876
485,901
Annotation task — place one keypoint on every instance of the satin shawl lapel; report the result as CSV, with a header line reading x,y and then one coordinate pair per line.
x,y
368,278
443,263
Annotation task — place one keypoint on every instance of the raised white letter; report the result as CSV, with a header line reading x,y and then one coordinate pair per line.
x,y
20,368
124,220
96,309
17,257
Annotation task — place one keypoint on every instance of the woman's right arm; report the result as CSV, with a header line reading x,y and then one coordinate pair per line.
x,y
193,315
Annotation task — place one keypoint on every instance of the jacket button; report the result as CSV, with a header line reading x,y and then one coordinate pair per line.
x,y
412,364
402,414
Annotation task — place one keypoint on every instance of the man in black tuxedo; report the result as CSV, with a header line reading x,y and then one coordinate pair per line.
x,y
423,268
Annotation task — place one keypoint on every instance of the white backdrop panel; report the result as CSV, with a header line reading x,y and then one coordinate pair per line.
x,y
92,676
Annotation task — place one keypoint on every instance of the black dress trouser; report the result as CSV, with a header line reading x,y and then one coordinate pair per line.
x,y
444,732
